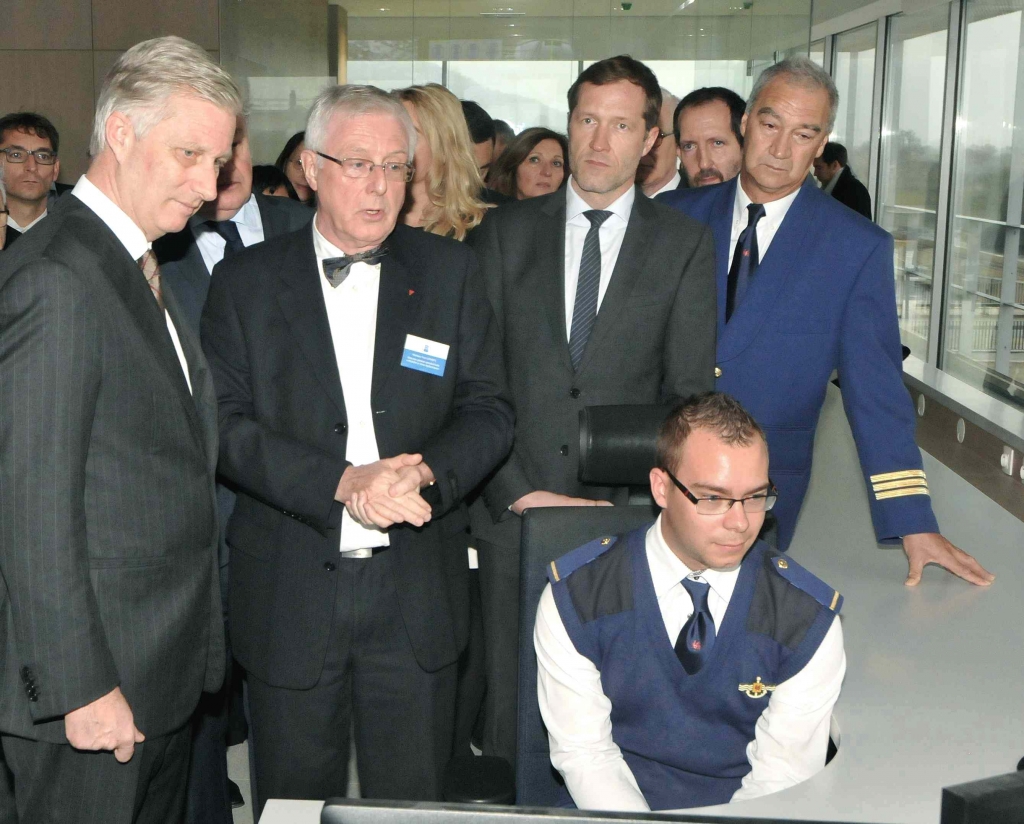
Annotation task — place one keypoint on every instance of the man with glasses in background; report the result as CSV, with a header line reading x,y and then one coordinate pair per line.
x,y
362,396
658,170
28,155
687,663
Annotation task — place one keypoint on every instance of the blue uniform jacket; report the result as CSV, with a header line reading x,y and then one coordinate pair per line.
x,y
822,298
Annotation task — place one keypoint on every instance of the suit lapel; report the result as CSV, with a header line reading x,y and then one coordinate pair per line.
x,y
547,279
628,266
771,276
721,229
398,302
202,405
302,303
273,223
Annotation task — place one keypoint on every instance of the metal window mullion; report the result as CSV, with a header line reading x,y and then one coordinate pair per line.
x,y
877,94
1014,206
830,48
944,212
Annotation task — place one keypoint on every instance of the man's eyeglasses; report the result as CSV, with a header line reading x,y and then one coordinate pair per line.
x,y
394,170
17,155
715,505
661,136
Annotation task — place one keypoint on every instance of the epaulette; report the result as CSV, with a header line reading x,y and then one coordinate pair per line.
x,y
807,582
570,562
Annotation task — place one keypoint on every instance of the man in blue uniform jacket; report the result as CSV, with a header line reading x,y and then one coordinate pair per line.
x,y
689,664
805,286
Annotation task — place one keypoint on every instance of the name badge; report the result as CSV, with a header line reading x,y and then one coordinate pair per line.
x,y
425,355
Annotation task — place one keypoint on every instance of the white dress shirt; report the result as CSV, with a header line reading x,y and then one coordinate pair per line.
x,y
211,244
767,226
790,736
671,186
352,314
133,239
611,233
18,228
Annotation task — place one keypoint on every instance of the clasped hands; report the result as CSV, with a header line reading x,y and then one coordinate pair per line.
x,y
386,492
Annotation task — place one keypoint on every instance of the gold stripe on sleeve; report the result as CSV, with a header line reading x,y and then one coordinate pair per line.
x,y
899,493
900,484
897,476
835,600
554,571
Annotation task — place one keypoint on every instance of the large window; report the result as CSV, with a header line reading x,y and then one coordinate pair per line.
x,y
909,170
855,78
984,320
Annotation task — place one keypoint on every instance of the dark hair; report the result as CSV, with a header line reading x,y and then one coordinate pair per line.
x,y
481,127
835,152
614,69
710,94
504,131
716,412
33,124
270,177
504,177
289,147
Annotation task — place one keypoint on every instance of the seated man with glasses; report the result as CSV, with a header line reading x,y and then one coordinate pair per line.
x,y
689,664
28,156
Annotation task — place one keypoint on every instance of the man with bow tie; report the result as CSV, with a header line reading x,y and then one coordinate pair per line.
x,y
687,663
362,395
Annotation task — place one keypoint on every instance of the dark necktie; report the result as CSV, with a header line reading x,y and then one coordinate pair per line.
x,y
336,269
151,270
744,260
584,310
697,637
228,230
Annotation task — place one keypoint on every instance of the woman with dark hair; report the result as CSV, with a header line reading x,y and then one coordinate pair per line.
x,y
269,180
290,163
534,163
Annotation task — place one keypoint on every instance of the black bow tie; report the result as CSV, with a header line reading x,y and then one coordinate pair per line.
x,y
336,269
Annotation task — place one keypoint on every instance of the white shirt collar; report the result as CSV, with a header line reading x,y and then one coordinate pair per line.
x,y
575,205
18,228
774,212
248,215
668,571
130,235
671,186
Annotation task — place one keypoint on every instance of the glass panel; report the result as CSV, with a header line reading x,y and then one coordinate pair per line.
x,y
522,93
855,78
683,76
983,332
817,53
909,170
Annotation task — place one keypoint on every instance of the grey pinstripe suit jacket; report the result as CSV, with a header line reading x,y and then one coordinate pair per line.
x,y
108,534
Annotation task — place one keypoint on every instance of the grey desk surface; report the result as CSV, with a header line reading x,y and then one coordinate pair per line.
x,y
934,690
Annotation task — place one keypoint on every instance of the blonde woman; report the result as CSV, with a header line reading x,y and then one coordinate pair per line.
x,y
444,194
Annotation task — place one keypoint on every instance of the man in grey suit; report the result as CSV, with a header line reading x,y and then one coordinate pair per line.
x,y
110,618
602,297
235,219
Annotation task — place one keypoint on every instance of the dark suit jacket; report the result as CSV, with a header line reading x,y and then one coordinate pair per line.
x,y
822,298
182,266
653,340
108,534
851,192
284,429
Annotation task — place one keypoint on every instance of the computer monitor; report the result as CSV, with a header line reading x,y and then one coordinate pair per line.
x,y
345,811
998,800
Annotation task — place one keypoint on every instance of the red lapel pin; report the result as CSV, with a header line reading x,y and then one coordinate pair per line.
x,y
412,292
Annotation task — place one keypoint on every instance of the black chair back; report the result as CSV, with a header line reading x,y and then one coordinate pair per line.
x,y
548,534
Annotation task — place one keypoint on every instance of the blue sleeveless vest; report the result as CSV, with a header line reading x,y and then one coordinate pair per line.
x,y
685,736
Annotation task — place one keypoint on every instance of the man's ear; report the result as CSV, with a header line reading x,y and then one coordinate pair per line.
x,y
309,167
659,487
652,135
120,134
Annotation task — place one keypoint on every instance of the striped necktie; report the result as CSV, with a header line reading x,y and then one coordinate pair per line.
x,y
588,285
151,270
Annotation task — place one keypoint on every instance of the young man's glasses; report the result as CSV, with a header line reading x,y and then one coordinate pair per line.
x,y
717,505
16,154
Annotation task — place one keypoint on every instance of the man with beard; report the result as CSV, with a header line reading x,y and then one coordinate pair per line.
x,y
708,135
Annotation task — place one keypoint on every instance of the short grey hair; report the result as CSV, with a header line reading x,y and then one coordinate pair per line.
x,y
800,71
667,96
145,76
353,101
